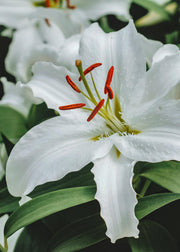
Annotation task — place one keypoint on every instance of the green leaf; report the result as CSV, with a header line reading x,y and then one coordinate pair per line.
x,y
12,123
47,204
105,25
165,174
56,221
39,113
153,202
34,238
78,235
153,238
152,6
7,202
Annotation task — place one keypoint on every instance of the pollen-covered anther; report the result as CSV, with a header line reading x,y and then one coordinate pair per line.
x,y
48,3
72,84
109,79
69,5
72,106
110,92
89,69
96,110
47,22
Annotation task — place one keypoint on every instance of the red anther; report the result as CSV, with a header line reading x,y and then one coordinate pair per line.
x,y
47,22
56,1
72,84
69,5
109,79
48,3
96,110
90,68
110,92
72,106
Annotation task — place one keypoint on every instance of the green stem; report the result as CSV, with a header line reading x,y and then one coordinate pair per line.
x,y
2,249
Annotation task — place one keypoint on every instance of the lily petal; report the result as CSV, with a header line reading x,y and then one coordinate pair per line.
x,y
157,84
150,47
160,116
123,50
14,13
161,78
42,46
13,238
52,149
70,21
164,51
69,53
17,96
113,176
151,146
49,83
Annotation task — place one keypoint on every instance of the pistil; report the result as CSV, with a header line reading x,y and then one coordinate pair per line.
x,y
80,69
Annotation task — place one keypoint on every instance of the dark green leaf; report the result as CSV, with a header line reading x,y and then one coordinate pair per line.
x,y
153,238
78,235
152,6
47,204
153,202
165,174
39,113
12,123
33,238
56,221
7,202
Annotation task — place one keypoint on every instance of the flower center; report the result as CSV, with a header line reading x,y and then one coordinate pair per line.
x,y
53,4
112,117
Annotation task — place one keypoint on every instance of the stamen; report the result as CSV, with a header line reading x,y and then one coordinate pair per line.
x,y
69,5
110,92
80,69
72,106
72,84
89,69
48,3
47,22
109,79
96,110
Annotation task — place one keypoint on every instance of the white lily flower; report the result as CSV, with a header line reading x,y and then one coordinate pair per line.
x,y
125,119
17,96
17,13
71,17
12,239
